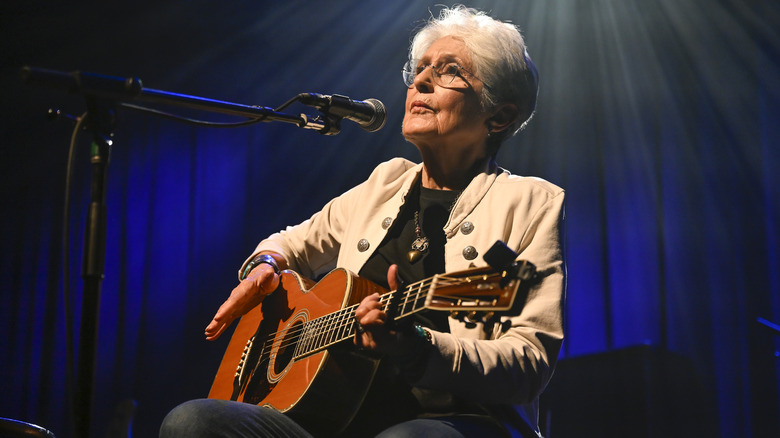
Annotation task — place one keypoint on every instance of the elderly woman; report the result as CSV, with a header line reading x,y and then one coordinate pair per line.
x,y
470,85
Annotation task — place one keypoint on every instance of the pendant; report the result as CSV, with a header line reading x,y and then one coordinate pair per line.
x,y
419,246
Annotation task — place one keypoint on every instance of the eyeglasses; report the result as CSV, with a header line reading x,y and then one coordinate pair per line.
x,y
449,75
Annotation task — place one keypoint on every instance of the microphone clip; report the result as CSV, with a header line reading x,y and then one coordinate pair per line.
x,y
370,114
325,124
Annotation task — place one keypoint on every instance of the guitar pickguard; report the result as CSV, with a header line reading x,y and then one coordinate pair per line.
x,y
251,383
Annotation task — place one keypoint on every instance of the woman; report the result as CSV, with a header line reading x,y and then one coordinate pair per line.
x,y
471,85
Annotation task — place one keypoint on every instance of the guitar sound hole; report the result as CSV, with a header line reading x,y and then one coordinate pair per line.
x,y
287,347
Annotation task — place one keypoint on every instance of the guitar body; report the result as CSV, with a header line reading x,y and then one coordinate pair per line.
x,y
321,391
294,354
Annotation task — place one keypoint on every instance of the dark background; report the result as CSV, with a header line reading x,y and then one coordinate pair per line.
x,y
659,118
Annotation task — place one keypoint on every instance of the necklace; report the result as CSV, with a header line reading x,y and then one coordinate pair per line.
x,y
420,244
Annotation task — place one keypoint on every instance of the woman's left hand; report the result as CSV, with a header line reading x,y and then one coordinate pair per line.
x,y
249,293
372,326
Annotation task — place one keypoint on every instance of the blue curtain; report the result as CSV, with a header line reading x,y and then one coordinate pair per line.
x,y
659,118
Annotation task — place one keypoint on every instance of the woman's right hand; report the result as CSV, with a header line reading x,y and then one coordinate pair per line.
x,y
261,281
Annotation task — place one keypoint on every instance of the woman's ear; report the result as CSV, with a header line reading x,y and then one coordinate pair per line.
x,y
503,117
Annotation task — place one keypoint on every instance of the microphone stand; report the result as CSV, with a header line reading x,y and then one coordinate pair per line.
x,y
119,89
101,120
101,94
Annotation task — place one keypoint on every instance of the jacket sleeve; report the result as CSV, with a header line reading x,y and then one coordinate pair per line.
x,y
515,363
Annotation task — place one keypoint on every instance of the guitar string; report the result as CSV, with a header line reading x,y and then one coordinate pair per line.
x,y
294,336
343,319
350,310
331,328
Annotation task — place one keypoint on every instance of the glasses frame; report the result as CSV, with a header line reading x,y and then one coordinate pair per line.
x,y
410,73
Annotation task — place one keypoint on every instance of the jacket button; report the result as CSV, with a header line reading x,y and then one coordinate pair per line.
x,y
386,223
363,245
467,228
470,253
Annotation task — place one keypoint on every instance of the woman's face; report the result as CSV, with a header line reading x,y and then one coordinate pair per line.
x,y
446,118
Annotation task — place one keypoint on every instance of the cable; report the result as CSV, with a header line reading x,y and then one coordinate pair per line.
x,y
190,121
69,325
205,123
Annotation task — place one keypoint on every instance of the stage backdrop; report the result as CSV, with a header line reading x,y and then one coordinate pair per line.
x,y
659,118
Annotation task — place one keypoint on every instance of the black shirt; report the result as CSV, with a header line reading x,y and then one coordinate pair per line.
x,y
391,399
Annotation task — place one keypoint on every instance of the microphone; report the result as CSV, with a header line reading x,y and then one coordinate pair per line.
x,y
369,114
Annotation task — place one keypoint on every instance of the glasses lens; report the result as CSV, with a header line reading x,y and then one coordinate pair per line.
x,y
409,72
447,74
444,75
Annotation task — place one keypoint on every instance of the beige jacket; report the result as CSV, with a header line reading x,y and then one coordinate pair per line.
x,y
491,366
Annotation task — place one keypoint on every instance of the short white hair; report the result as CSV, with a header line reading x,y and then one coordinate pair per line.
x,y
499,55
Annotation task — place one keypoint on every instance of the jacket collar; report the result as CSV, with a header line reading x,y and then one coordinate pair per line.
x,y
468,199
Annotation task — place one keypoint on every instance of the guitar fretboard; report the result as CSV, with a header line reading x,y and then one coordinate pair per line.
x,y
320,333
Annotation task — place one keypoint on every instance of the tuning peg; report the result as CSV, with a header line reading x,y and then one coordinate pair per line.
x,y
464,318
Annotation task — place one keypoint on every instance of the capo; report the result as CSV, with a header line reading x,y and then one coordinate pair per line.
x,y
501,258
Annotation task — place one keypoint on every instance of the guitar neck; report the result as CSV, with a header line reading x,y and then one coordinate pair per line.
x,y
474,290
318,334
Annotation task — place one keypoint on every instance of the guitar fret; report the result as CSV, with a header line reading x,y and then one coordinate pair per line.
x,y
346,321
317,341
408,300
303,343
319,334
339,332
421,295
432,290
384,300
403,303
335,327
328,328
312,336
415,295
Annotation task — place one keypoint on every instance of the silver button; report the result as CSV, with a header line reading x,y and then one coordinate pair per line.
x,y
467,228
470,253
386,223
363,245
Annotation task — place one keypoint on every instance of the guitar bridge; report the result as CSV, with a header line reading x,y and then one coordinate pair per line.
x,y
240,368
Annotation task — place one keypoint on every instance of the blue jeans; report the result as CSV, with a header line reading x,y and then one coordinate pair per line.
x,y
207,418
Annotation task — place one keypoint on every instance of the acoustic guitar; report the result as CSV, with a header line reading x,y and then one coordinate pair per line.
x,y
294,353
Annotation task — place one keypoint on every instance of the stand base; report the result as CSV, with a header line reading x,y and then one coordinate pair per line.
x,y
19,429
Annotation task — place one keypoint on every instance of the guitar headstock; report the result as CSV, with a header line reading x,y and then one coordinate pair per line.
x,y
478,290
